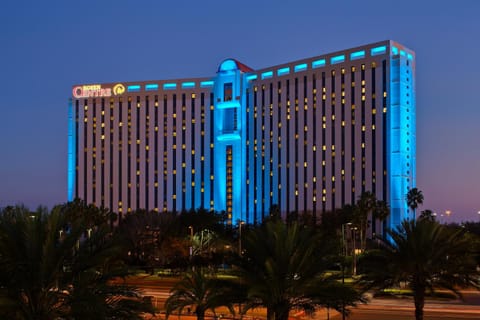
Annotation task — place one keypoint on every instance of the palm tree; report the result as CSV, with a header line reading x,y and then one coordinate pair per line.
x,y
364,209
414,198
427,214
283,268
200,290
381,211
425,255
30,265
52,265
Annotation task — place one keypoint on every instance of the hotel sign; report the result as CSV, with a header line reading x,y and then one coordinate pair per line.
x,y
96,90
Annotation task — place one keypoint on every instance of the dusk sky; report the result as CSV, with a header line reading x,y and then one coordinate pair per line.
x,y
47,46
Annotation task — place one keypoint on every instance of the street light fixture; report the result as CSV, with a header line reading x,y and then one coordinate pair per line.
x,y
344,254
191,240
240,223
354,252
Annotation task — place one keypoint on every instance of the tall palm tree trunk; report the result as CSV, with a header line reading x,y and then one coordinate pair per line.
x,y
270,313
200,312
419,299
278,312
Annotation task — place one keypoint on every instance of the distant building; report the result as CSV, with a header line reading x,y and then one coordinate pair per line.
x,y
309,135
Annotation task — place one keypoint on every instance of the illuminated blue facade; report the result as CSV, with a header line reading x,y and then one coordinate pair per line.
x,y
308,136
402,130
230,140
71,154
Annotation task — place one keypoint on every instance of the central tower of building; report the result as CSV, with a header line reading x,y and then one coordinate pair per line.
x,y
230,135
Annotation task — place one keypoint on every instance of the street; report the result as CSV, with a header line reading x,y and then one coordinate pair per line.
x,y
376,309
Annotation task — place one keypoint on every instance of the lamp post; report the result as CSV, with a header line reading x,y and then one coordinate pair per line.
x,y
354,252
191,240
344,254
240,223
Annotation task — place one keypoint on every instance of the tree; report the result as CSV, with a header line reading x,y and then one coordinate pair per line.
x,y
414,198
381,211
427,214
425,255
284,267
52,265
200,290
153,238
364,209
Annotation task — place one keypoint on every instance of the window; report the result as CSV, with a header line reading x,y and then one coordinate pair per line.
x,y
227,91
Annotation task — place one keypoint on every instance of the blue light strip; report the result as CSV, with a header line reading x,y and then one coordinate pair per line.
x,y
357,55
337,59
318,63
133,88
188,85
71,158
204,84
410,56
169,86
151,87
252,77
394,51
228,104
378,50
267,74
300,67
283,71
228,137
403,53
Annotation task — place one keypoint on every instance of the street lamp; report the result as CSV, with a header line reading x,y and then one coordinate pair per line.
x,y
344,254
354,252
191,240
344,243
240,223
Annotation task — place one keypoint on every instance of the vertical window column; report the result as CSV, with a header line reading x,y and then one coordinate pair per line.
x,y
332,107
342,142
155,156
137,155
110,153
362,75
229,182
120,158
202,149
165,148
94,151
324,143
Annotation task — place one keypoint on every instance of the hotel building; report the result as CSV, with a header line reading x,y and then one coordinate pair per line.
x,y
309,135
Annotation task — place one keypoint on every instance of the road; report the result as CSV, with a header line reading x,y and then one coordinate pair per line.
x,y
403,309
376,309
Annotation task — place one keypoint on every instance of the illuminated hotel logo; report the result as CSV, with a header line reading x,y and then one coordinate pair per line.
x,y
96,90
118,89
